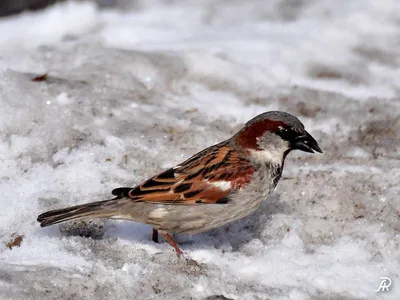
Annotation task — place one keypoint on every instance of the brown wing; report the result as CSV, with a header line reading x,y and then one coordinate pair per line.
x,y
207,177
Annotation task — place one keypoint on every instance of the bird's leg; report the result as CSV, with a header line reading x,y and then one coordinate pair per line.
x,y
172,243
154,237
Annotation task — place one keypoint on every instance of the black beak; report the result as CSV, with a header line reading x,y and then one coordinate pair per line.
x,y
306,143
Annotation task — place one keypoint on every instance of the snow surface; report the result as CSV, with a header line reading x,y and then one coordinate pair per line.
x,y
132,91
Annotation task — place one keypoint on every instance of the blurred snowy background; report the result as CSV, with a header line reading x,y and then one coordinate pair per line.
x,y
133,87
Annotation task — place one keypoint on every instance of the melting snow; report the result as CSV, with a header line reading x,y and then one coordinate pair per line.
x,y
130,92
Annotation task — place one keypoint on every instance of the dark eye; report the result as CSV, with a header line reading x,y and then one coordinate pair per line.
x,y
286,133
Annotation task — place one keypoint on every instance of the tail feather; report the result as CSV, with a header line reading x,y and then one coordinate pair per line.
x,y
99,209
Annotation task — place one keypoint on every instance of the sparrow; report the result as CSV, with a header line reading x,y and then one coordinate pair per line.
x,y
218,185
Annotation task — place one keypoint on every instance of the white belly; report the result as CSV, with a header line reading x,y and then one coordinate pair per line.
x,y
191,219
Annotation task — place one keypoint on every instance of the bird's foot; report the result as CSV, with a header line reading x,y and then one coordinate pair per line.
x,y
154,237
170,241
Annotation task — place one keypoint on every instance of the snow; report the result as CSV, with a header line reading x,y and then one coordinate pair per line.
x,y
132,91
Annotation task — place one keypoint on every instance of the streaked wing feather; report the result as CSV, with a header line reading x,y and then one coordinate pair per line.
x,y
207,177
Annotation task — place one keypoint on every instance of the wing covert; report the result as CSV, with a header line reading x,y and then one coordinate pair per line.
x,y
207,177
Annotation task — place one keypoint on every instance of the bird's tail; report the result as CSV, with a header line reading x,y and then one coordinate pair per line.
x,y
99,209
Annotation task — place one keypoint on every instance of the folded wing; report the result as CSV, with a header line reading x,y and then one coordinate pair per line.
x,y
207,177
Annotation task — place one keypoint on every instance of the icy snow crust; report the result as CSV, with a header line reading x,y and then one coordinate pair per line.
x,y
135,91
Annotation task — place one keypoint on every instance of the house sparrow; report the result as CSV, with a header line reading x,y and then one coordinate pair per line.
x,y
218,185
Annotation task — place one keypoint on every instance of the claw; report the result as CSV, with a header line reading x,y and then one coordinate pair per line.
x,y
170,241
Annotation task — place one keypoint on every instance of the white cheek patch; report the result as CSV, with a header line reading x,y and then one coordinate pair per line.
x,y
271,156
222,185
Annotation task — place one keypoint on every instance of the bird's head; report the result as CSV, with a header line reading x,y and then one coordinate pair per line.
x,y
269,137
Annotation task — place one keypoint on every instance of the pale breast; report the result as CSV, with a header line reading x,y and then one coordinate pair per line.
x,y
191,219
